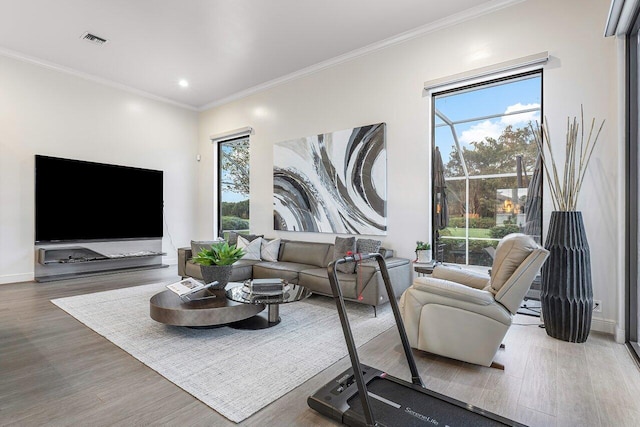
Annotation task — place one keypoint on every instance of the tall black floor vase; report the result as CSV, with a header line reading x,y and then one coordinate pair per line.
x,y
567,293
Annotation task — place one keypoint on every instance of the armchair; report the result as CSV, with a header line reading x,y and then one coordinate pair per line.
x,y
465,315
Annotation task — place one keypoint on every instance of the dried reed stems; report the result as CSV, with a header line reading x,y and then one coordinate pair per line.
x,y
577,155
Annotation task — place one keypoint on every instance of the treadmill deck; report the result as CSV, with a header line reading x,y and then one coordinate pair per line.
x,y
398,403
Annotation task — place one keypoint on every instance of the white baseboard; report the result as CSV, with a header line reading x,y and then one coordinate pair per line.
x,y
15,278
609,327
620,335
604,325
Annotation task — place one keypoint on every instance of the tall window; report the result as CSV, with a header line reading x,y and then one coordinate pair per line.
x,y
233,185
483,135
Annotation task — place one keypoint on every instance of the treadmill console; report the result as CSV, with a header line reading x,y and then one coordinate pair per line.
x,y
332,399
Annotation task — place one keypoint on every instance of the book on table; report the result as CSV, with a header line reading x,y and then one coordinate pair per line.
x,y
265,287
188,286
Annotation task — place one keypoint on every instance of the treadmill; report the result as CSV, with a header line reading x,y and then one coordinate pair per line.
x,y
366,396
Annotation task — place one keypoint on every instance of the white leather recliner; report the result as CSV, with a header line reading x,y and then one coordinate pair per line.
x,y
465,315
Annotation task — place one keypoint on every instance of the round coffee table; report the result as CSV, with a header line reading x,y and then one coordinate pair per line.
x,y
166,307
292,294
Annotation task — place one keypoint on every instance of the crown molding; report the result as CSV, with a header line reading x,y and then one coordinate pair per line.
x,y
90,77
449,21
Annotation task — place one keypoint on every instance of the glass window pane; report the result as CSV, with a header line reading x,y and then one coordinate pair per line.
x,y
455,250
234,186
445,141
495,98
489,157
491,148
457,204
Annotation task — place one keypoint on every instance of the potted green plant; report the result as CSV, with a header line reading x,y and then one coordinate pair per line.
x,y
423,251
216,263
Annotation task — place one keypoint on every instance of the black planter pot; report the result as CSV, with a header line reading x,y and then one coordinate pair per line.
x,y
567,294
219,273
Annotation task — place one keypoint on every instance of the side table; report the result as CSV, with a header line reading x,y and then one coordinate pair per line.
x,y
238,293
423,268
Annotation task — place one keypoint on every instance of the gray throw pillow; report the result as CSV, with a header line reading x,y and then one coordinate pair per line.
x,y
368,246
341,246
198,245
233,237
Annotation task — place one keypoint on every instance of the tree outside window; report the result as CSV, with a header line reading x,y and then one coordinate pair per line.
x,y
233,178
489,155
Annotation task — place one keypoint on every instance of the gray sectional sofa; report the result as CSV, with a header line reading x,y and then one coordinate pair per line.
x,y
305,263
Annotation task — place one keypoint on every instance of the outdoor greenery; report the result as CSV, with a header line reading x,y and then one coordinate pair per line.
x,y
454,251
237,209
499,232
460,232
234,160
235,163
489,156
473,222
234,223
220,254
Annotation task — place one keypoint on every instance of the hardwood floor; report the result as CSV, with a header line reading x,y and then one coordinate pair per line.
x,y
55,371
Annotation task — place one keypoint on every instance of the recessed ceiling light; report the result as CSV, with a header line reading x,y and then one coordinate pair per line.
x,y
183,83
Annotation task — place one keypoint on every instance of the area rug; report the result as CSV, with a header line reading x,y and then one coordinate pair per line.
x,y
235,372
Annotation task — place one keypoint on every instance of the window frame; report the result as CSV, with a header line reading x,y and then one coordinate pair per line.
x,y
473,83
218,231
632,159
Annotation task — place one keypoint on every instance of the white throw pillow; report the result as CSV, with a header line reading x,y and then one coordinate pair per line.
x,y
252,249
270,250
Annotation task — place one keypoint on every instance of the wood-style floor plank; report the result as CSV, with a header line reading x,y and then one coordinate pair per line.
x,y
55,371
575,391
500,394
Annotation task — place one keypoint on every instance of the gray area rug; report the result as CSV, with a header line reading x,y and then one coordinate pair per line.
x,y
212,364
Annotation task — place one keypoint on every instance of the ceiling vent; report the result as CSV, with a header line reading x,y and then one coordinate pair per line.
x,y
93,38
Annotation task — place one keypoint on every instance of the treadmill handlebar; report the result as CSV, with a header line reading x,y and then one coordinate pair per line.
x,y
346,328
357,257
332,272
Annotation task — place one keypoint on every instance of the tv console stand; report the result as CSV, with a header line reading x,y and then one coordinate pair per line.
x,y
70,261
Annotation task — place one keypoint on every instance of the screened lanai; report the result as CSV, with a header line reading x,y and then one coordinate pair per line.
x,y
484,133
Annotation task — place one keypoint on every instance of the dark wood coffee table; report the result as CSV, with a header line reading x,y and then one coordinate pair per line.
x,y
166,307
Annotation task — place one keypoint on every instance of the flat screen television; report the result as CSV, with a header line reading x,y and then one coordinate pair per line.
x,y
77,200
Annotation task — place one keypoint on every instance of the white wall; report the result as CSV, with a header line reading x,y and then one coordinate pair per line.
x,y
51,113
386,86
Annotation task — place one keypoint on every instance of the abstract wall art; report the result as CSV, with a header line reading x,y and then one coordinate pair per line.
x,y
332,183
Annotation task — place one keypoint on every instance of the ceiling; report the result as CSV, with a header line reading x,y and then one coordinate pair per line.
x,y
221,47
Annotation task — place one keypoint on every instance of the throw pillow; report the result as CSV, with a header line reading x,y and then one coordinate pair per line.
x,y
198,245
251,248
270,249
368,246
233,237
341,246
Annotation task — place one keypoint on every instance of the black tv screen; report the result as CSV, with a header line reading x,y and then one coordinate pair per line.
x,y
78,200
